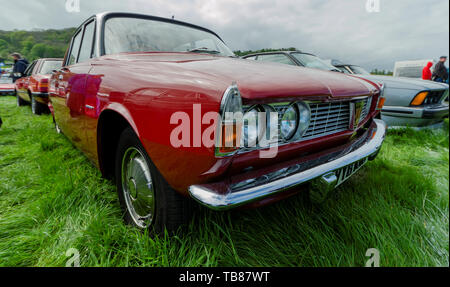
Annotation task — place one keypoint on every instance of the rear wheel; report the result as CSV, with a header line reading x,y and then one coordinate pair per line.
x,y
36,107
147,200
20,101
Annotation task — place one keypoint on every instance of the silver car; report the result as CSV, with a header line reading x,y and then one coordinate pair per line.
x,y
409,102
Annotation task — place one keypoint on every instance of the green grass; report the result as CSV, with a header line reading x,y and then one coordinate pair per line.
x,y
53,199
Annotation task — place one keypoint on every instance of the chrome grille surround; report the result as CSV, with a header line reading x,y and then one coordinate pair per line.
x,y
327,118
366,109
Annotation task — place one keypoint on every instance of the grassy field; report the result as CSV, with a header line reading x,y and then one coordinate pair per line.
x,y
53,199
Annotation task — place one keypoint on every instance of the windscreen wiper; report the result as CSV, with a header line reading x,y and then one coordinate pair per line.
x,y
203,50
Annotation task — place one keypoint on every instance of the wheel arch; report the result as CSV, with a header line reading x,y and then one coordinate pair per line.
x,y
112,121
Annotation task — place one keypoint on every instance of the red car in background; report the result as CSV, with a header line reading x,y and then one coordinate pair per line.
x,y
33,86
7,86
149,101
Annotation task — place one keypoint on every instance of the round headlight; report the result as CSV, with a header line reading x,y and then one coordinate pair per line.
x,y
305,117
289,121
251,129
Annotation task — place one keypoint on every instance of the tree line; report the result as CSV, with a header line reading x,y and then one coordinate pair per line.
x,y
34,44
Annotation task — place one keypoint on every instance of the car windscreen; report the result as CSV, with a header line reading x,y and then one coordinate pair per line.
x,y
49,66
127,34
312,61
359,70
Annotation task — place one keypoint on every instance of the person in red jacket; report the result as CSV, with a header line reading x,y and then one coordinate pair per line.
x,y
426,72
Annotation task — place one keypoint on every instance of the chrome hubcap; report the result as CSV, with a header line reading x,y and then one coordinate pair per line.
x,y
137,187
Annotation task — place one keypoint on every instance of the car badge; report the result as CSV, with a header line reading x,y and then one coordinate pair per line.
x,y
356,109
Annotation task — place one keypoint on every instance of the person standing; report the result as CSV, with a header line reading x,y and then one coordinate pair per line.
x,y
426,72
20,65
440,73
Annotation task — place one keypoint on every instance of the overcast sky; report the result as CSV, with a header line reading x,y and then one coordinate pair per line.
x,y
344,30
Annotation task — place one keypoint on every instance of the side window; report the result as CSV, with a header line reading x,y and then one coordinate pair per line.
x,y
277,58
75,48
86,44
29,69
251,58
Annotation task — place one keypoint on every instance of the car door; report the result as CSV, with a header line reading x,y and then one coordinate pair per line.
x,y
68,101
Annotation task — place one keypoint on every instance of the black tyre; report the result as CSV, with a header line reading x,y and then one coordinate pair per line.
x,y
36,107
20,101
147,200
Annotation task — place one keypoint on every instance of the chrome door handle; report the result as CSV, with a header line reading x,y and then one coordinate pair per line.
x,y
89,107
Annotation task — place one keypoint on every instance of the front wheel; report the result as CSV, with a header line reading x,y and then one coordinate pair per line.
x,y
147,200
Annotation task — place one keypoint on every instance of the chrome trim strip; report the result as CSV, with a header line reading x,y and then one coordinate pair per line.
x,y
214,200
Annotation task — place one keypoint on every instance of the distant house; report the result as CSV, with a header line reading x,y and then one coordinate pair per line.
x,y
410,69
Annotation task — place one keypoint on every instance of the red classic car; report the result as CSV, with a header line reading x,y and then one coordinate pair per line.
x,y
166,109
33,86
6,85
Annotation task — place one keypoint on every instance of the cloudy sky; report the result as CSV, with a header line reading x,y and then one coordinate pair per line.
x,y
345,30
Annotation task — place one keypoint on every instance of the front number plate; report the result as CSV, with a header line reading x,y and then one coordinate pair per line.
x,y
344,173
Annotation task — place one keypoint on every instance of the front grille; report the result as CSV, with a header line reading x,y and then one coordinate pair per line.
x,y
434,97
328,118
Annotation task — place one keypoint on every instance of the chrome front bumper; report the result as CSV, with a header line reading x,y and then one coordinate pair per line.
x,y
216,200
433,112
7,91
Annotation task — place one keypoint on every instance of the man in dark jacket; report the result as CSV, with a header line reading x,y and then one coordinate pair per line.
x,y
20,65
440,73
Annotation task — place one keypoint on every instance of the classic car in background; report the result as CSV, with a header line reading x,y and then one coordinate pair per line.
x,y
295,58
409,102
127,78
6,85
33,86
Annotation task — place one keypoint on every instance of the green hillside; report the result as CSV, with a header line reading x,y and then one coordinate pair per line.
x,y
34,44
